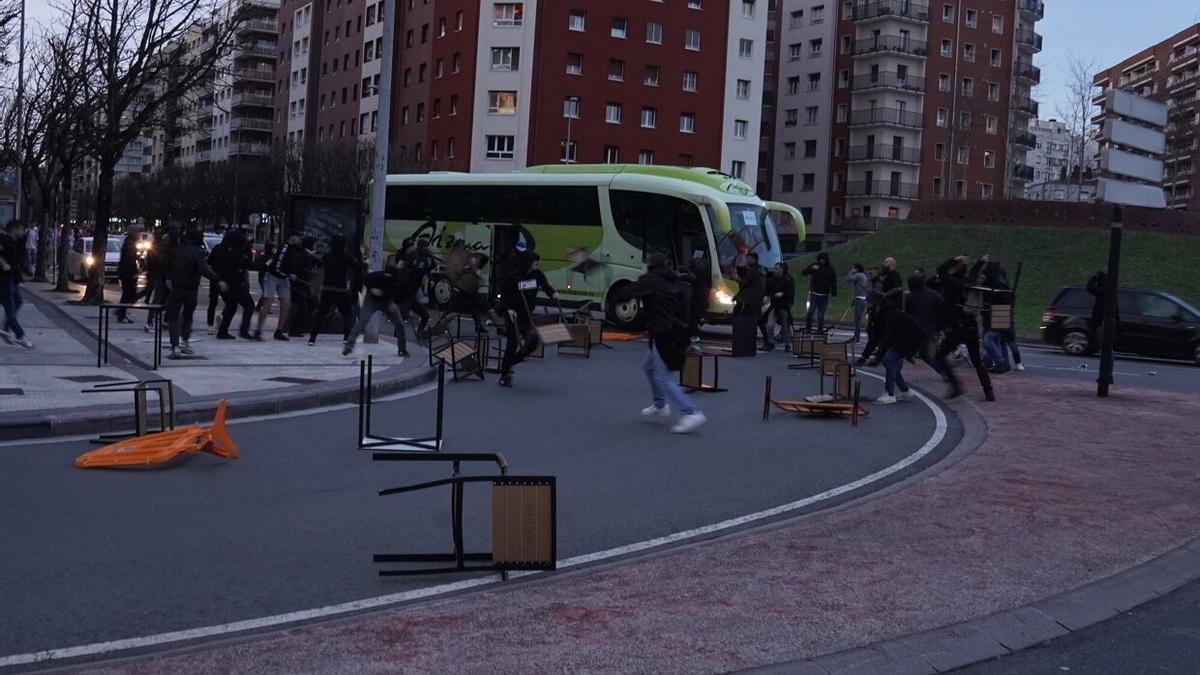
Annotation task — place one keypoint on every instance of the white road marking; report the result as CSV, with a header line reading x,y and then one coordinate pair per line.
x,y
205,632
1080,370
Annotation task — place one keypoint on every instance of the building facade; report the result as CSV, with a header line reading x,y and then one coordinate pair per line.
x,y
1168,72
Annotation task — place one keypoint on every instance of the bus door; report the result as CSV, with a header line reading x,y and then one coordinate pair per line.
x,y
477,234
504,238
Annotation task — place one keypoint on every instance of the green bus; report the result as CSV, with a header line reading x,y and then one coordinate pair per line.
x,y
593,226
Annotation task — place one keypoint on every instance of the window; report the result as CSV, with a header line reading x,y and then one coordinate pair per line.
x,y
968,86
619,26
691,40
441,33
611,154
793,85
788,183
421,72
948,13
969,52
748,9
737,169
502,102
843,79
995,61
694,4
571,107
794,51
739,129
458,26
989,159
943,117
993,91
457,63
574,64
654,33
814,81
612,113
937,187
789,150
947,49
576,20
649,118
745,48
421,111
810,115
992,124
972,18
500,147
964,121
962,154
506,58
645,156
507,14
689,80
818,14
985,191
944,82
687,123
791,117
939,152
743,89
808,182
650,76
960,189
815,47
998,24
797,18
810,149
616,70
567,152
440,69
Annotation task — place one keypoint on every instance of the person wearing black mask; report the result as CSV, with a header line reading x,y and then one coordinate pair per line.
x,y
187,267
924,305
158,274
961,325
127,272
340,268
518,291
823,283
231,260
781,293
379,298
752,287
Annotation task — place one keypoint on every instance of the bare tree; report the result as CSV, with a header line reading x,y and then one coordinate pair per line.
x,y
1076,111
148,53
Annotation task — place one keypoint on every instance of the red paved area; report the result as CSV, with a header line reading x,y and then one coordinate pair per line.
x,y
1066,489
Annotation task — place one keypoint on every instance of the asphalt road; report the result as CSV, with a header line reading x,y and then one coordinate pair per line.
x,y
92,556
1162,636
1127,370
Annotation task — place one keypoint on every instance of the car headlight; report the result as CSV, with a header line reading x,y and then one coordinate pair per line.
x,y
723,297
143,246
89,260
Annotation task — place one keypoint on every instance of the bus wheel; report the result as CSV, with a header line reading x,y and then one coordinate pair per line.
x,y
442,293
628,315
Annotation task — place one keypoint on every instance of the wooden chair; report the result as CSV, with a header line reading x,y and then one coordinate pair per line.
x,y
461,357
1000,318
832,355
806,346
850,407
580,343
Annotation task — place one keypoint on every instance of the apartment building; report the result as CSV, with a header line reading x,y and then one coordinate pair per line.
x,y
929,101
1056,154
1168,71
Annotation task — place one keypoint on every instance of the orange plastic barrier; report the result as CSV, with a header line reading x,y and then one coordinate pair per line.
x,y
164,446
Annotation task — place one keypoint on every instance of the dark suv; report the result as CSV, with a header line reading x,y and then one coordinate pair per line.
x,y
1153,323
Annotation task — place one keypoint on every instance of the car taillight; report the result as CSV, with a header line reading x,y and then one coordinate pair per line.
x,y
1049,315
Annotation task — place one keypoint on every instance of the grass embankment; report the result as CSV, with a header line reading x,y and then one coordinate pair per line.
x,y
1051,258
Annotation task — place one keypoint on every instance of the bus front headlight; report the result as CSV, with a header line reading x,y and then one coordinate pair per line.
x,y
722,296
89,260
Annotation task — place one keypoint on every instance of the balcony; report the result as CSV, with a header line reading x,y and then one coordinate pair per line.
x,y
1182,58
204,111
260,100
881,188
1029,73
883,153
270,26
1029,40
261,51
253,149
883,10
254,74
886,117
1182,81
891,44
251,124
1026,140
1034,10
887,80
1022,172
204,133
202,156
1025,106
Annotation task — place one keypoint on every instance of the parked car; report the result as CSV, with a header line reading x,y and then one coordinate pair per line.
x,y
1152,323
81,259
211,240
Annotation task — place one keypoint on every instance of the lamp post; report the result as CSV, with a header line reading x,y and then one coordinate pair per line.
x,y
572,112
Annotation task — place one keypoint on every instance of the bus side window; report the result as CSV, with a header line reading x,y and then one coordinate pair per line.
x,y
652,222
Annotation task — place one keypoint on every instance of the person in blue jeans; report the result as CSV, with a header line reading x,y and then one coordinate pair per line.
x,y
823,283
860,286
666,299
902,337
12,260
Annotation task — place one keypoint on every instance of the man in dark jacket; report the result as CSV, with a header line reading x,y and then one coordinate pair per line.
x,y
518,291
12,261
187,268
901,337
822,285
781,293
158,273
891,285
665,298
752,287
127,273
924,305
378,299
341,269
231,260
961,325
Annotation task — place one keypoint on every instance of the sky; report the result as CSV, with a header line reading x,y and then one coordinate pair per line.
x,y
1107,30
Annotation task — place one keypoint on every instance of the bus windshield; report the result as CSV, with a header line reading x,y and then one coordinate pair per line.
x,y
752,231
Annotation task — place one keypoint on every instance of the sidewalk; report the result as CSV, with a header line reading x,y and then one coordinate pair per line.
x,y
40,389
1064,491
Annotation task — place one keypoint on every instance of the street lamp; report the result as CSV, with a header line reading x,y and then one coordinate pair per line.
x,y
572,111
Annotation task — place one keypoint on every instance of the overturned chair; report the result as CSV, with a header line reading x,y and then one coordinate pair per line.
x,y
162,447
845,400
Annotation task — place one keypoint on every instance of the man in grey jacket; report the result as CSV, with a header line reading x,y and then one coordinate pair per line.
x,y
860,287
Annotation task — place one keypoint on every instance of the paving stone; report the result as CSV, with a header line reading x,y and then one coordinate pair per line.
x,y
954,646
894,658
1175,569
1019,628
1076,611
805,667
1125,591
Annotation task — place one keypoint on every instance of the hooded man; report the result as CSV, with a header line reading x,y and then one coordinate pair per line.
x,y
518,292
961,326
822,285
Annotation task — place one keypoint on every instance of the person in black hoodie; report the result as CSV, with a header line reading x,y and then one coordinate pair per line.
x,y
900,338
158,274
231,260
379,298
822,285
665,298
518,290
752,287
341,268
961,325
781,293
924,305
187,267
127,272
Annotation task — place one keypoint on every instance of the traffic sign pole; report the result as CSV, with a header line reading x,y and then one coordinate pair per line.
x,y
1111,287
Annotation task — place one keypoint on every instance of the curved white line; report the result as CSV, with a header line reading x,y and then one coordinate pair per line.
x,y
160,639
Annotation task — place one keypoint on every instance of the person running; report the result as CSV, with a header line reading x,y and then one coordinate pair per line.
x,y
924,305
901,336
12,261
665,298
305,294
341,268
187,267
158,275
994,340
781,293
127,273
379,299
822,285
417,263
860,286
518,291
279,269
960,324
231,261
404,292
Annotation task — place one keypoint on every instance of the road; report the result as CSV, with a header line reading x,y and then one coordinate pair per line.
x,y
94,556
